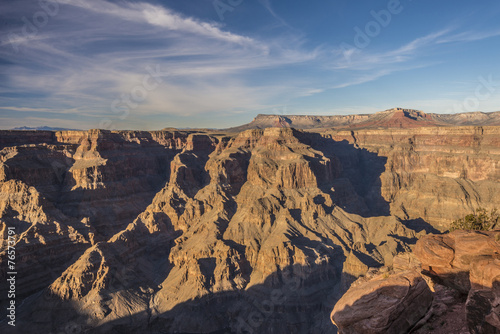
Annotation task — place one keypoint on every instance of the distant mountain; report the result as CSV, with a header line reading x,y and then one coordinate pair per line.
x,y
43,128
391,118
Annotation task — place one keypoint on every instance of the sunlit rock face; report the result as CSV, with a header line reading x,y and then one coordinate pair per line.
x,y
260,231
450,283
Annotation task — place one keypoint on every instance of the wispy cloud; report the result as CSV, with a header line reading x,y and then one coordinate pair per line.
x,y
362,79
155,15
469,36
165,18
95,51
73,67
420,43
25,109
358,59
268,6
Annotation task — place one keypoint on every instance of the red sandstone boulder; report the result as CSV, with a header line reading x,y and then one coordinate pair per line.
x,y
385,304
450,259
468,261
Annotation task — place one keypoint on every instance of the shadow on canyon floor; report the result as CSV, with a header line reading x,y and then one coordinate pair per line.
x,y
296,300
419,225
361,168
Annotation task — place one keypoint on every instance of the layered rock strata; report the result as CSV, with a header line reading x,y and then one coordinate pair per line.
x,y
428,174
177,231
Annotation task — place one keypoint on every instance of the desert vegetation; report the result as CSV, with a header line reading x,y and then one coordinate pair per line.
x,y
480,220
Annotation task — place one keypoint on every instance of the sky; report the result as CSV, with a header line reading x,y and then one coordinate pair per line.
x,y
149,65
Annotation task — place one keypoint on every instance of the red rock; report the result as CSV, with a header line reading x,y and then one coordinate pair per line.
x,y
387,304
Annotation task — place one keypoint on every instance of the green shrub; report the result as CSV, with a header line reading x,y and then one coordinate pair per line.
x,y
480,220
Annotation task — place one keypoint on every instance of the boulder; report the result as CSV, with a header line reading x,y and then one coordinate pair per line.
x,y
385,304
450,259
468,261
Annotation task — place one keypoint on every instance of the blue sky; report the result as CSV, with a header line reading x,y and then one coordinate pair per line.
x,y
218,63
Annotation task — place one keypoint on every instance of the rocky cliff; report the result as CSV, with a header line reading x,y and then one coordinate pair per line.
x,y
431,174
256,232
450,284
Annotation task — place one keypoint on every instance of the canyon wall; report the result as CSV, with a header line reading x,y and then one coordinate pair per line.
x,y
256,232
433,174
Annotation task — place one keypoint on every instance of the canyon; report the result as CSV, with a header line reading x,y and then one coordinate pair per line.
x,y
449,284
256,229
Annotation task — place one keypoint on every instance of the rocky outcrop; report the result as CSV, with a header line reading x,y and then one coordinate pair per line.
x,y
386,304
471,265
462,269
46,240
461,259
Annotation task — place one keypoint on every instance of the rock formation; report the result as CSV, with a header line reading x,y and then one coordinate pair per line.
x,y
210,232
462,269
389,304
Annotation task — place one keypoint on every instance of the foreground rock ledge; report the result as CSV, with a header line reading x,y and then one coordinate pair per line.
x,y
385,304
401,300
